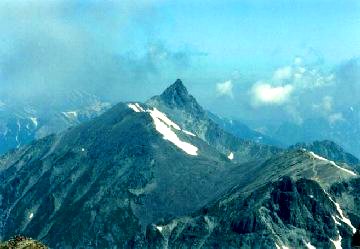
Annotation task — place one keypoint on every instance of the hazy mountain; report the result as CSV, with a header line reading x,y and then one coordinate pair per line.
x,y
241,130
331,151
164,175
344,130
22,122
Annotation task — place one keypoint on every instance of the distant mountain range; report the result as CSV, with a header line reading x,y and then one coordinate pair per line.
x,y
331,151
164,174
21,123
241,130
345,131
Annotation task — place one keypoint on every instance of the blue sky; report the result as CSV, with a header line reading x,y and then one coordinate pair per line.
x,y
245,32
236,57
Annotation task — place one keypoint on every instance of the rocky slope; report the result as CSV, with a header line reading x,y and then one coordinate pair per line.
x,y
164,175
331,151
294,201
102,182
180,106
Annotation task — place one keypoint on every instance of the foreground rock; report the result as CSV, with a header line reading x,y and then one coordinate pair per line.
x,y
21,242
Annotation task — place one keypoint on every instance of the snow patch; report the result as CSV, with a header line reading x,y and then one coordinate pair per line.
x,y
82,149
231,156
34,121
337,243
161,116
309,245
335,220
71,114
164,126
281,247
342,217
331,162
139,107
189,133
159,228
31,215
170,135
134,107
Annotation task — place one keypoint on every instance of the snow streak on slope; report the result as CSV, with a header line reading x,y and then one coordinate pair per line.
x,y
155,113
282,247
34,120
337,243
164,126
331,162
134,107
189,133
70,115
342,217
171,136
231,156
309,245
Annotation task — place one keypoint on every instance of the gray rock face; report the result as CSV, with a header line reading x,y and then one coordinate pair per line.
x,y
293,211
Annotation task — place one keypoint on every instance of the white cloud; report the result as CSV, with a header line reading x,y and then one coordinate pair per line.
x,y
327,103
265,93
298,61
292,80
283,73
225,88
325,106
335,117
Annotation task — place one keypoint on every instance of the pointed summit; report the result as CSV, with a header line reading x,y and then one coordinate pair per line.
x,y
175,94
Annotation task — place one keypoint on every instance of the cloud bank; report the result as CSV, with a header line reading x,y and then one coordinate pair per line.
x,y
225,89
306,91
57,46
265,93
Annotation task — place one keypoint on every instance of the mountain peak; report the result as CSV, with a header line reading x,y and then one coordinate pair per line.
x,y
176,90
177,96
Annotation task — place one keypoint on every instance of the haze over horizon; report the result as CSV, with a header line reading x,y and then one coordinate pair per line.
x,y
252,60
